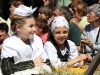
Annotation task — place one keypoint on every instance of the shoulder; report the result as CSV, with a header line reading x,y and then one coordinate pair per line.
x,y
11,40
37,40
48,44
87,27
73,26
71,42
36,37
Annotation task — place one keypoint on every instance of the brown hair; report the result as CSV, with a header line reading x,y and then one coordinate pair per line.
x,y
46,10
41,23
16,19
16,3
80,6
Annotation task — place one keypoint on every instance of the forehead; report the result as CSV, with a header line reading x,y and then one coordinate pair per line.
x,y
30,20
91,12
61,28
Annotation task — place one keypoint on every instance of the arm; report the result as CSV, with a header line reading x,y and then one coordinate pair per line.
x,y
8,66
91,45
77,59
73,52
12,61
41,51
75,20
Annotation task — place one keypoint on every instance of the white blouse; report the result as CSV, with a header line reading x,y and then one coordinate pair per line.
x,y
15,47
52,53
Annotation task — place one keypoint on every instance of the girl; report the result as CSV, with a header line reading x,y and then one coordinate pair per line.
x,y
21,53
60,50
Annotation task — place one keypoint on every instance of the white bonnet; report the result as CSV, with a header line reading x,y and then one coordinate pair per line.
x,y
59,22
23,10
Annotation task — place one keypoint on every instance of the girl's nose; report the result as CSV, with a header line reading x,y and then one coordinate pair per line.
x,y
34,28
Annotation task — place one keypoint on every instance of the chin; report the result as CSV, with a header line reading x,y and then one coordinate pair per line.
x,y
60,43
31,37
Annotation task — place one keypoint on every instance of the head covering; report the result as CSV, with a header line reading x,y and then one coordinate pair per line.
x,y
23,10
59,22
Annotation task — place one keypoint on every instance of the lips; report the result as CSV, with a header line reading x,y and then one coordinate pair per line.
x,y
61,39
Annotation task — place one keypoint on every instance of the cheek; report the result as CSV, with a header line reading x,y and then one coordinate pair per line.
x,y
56,37
66,35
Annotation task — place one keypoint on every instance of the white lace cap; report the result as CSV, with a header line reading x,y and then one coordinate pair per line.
x,y
59,22
23,10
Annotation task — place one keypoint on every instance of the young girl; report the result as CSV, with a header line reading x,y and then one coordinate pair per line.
x,y
60,50
23,50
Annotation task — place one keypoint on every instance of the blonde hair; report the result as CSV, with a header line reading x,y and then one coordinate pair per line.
x,y
18,20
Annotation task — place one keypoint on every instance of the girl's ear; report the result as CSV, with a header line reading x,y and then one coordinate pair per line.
x,y
18,27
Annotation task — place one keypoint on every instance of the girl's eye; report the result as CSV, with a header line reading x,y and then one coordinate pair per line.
x,y
57,32
65,32
32,25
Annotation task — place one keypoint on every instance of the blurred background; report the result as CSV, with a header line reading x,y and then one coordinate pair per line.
x,y
4,6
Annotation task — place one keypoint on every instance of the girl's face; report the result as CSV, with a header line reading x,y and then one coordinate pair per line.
x,y
27,30
46,2
60,34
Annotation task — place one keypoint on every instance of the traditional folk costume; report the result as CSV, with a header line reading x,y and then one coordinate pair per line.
x,y
17,57
57,56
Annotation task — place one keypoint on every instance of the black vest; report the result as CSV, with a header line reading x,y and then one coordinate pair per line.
x,y
60,56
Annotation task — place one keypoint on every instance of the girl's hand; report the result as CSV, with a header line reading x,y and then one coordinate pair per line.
x,y
38,61
89,58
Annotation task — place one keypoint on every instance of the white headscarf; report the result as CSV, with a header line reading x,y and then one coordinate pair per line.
x,y
59,22
23,10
